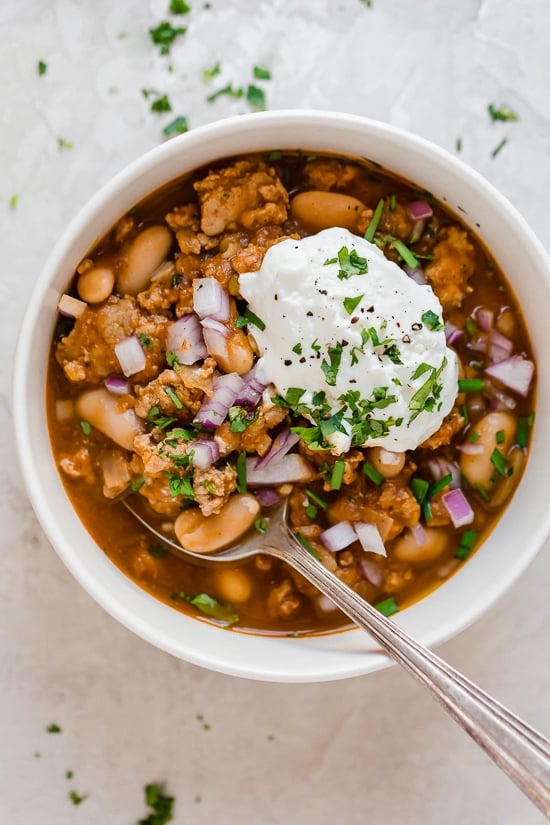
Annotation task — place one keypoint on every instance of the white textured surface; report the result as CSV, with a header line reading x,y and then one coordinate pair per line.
x,y
368,750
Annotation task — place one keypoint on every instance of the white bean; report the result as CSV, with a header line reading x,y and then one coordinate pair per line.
x,y
407,547
317,210
96,284
477,467
387,463
110,415
203,534
147,251
233,584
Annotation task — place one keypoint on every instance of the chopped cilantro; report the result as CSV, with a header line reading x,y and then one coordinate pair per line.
x,y
86,427
297,348
330,368
136,485
503,112
351,303
164,35
256,97
172,360
261,73
156,418
206,604
432,320
179,7
241,419
208,74
160,805
177,127
157,551
375,220
161,104
387,607
180,485
144,340
311,511
426,397
350,263
42,67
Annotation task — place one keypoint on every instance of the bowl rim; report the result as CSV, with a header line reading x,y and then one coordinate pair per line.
x,y
339,666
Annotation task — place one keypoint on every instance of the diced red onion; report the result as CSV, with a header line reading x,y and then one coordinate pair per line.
x,y
267,496
458,507
478,344
470,448
485,318
252,390
370,538
282,444
499,399
214,410
210,300
515,373
419,534
205,453
286,469
131,356
371,571
416,274
500,347
440,467
215,337
452,333
71,307
324,604
419,209
117,384
338,537
184,338
417,230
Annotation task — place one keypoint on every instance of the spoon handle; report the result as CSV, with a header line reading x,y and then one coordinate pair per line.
x,y
519,750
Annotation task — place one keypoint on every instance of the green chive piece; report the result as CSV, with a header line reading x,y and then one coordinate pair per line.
x,y
177,127
499,437
499,462
171,393
307,546
261,524
337,474
375,220
311,511
473,437
86,427
314,497
466,544
482,492
387,607
405,253
370,470
471,384
419,487
439,485
499,148
241,472
522,432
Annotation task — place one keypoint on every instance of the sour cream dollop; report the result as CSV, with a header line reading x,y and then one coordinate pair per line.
x,y
351,342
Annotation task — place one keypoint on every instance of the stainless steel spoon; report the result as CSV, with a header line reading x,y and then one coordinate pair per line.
x,y
519,750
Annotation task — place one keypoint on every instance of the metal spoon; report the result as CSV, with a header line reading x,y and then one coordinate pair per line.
x,y
519,750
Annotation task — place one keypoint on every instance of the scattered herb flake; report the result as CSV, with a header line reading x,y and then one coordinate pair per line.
x,y
458,145
64,144
261,524
210,607
161,104
164,35
209,74
144,340
297,348
248,317
177,127
351,303
432,321
171,393
42,67
14,200
256,97
69,774
261,73
503,112
179,7
53,728
86,427
76,798
160,804
350,263
227,90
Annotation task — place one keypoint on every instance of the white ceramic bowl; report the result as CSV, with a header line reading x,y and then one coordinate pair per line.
x,y
510,547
